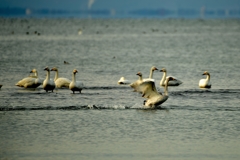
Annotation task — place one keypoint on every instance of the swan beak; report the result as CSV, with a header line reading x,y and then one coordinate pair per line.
x,y
31,71
161,70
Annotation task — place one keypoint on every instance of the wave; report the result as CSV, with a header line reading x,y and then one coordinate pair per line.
x,y
121,107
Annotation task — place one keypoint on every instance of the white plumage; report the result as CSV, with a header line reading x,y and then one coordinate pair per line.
x,y
75,85
175,82
205,83
150,78
48,84
123,81
149,91
60,82
135,84
31,81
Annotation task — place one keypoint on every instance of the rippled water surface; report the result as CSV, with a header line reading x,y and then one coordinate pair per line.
x,y
107,121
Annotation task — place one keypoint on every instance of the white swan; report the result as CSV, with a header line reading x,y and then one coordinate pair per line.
x,y
31,81
60,82
135,84
48,84
123,81
205,83
75,85
175,82
154,98
153,68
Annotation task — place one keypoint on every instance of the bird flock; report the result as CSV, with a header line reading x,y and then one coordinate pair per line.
x,y
33,81
145,86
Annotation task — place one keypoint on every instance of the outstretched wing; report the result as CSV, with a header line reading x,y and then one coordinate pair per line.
x,y
148,89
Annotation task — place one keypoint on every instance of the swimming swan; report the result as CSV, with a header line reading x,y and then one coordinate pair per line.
x,y
205,83
60,82
135,84
154,98
123,81
174,82
75,85
153,68
48,84
31,81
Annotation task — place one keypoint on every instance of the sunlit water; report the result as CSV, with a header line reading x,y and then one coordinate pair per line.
x,y
107,121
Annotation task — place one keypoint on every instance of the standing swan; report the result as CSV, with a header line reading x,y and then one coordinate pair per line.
x,y
31,81
48,84
153,68
174,82
135,84
205,83
75,85
154,98
60,82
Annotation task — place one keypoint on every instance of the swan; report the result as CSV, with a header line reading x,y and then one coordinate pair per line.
x,y
48,84
205,83
175,82
154,98
31,81
135,84
123,81
153,68
60,82
75,85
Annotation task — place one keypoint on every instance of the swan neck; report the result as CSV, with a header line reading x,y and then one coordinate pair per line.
x,y
166,88
56,76
208,77
163,78
140,78
36,74
73,77
48,75
151,74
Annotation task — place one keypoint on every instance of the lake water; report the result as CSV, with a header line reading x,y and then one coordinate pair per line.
x,y
107,121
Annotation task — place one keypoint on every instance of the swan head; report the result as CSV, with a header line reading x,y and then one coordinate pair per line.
x,y
33,71
170,79
75,71
46,69
139,74
163,70
54,69
206,73
154,68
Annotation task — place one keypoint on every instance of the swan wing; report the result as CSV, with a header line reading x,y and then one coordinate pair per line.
x,y
79,84
27,82
62,82
148,90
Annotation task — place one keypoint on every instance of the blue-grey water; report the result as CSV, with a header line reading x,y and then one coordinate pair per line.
x,y
107,121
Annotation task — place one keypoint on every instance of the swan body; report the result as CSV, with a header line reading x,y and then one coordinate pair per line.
x,y
48,84
175,82
123,81
154,98
60,82
31,81
135,84
75,85
205,83
153,68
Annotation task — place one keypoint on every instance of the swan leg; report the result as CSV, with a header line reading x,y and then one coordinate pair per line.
x,y
144,102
